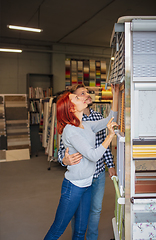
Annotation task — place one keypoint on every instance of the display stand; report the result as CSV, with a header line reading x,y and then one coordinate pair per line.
x,y
14,127
134,68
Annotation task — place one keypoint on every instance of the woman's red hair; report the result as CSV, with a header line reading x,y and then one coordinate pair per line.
x,y
64,114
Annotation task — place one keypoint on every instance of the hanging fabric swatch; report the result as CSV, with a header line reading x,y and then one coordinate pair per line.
x,y
98,73
80,72
86,72
74,72
92,73
67,72
50,146
46,114
103,73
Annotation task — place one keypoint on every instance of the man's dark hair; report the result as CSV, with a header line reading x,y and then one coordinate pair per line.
x,y
75,87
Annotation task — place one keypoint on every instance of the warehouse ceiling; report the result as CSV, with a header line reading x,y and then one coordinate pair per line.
x,y
78,22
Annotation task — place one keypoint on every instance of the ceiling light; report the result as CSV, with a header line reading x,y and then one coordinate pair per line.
x,y
10,50
24,28
112,58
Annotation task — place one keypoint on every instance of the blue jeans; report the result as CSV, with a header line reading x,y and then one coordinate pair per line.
x,y
98,187
74,201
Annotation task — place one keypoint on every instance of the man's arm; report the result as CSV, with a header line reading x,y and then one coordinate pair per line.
x,y
65,159
109,161
112,172
108,158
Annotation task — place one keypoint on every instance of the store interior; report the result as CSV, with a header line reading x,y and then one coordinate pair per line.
x,y
72,32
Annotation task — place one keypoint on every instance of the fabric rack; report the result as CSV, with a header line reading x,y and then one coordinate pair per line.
x,y
50,137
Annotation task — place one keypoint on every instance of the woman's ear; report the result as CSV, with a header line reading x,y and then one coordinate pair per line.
x,y
72,109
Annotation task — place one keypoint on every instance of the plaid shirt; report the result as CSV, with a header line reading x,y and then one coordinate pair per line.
x,y
100,137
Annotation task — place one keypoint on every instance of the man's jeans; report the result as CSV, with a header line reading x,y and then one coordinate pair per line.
x,y
74,200
98,187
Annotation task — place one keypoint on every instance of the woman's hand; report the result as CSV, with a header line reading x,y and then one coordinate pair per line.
x,y
111,126
115,89
111,133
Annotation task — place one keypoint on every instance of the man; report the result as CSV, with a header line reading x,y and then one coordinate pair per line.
x,y
98,183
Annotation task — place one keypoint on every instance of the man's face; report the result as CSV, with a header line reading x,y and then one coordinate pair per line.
x,y
83,93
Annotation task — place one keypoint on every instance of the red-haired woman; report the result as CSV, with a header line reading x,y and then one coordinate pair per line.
x,y
78,136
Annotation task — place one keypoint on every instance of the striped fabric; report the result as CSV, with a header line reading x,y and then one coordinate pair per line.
x,y
144,149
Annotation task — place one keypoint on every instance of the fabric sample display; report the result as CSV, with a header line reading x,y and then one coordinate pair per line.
x,y
90,72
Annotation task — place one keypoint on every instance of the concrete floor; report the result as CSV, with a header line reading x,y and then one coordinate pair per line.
x,y
29,196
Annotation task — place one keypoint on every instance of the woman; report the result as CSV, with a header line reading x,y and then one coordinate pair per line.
x,y
78,136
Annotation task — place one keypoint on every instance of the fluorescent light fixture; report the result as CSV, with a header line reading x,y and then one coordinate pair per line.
x,y
24,28
10,50
112,58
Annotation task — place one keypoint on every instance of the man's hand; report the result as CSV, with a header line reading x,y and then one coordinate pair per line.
x,y
71,159
112,172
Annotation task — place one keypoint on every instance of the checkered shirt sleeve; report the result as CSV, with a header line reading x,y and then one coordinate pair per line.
x,y
61,152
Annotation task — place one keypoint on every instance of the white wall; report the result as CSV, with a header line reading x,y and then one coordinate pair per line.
x,y
15,66
58,70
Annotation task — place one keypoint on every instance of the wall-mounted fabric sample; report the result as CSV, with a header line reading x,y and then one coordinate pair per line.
x,y
145,182
98,73
67,72
80,71
92,80
90,72
74,72
144,149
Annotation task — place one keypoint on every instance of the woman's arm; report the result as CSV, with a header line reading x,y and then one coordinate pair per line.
x,y
81,145
99,125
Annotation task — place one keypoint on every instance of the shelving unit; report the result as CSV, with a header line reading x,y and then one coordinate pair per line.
x,y
35,110
39,87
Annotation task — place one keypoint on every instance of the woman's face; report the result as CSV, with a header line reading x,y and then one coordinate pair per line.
x,y
79,102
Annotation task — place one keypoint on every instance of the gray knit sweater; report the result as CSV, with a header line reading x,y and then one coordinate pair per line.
x,y
83,141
